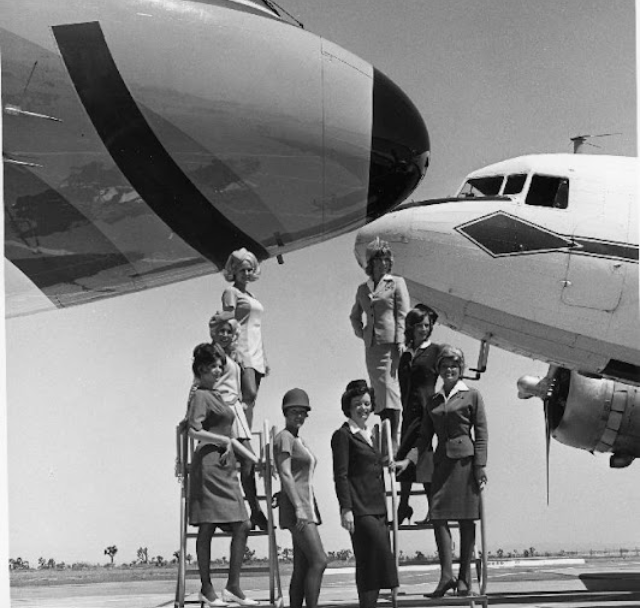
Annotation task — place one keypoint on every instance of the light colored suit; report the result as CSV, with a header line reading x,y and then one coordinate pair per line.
x,y
385,308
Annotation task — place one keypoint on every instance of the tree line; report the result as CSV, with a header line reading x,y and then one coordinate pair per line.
x,y
285,554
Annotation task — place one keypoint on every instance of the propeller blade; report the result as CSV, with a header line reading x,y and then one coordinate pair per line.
x,y
547,424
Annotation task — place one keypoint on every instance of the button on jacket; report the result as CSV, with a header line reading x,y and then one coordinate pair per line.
x,y
385,309
453,420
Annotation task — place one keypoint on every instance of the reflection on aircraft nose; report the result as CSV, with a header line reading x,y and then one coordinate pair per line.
x,y
400,151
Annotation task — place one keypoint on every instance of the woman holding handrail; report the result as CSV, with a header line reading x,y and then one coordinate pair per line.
x,y
417,378
358,478
457,416
215,498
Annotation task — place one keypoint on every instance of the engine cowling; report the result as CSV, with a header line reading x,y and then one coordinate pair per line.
x,y
594,414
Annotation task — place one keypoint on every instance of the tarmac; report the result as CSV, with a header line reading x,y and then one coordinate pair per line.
x,y
546,583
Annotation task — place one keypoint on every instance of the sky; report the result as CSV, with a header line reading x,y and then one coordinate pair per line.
x,y
94,392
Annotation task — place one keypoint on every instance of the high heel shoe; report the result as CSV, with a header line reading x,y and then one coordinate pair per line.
x,y
228,596
404,512
463,588
440,591
215,603
258,520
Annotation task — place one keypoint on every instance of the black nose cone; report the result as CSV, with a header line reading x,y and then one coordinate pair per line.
x,y
400,149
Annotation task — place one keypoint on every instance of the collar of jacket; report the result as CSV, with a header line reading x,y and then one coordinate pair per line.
x,y
460,387
371,285
366,433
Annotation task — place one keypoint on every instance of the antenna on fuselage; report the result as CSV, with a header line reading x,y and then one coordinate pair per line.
x,y
580,140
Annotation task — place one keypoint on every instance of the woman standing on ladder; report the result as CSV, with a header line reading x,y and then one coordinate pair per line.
x,y
384,301
215,498
417,379
224,332
241,268
453,414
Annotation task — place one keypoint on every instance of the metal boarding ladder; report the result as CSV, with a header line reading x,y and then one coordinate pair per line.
x,y
184,456
479,558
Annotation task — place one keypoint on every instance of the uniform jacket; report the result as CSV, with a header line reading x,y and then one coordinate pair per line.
x,y
385,308
454,421
358,473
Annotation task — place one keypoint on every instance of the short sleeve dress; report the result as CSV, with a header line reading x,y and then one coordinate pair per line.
x,y
247,311
215,493
302,464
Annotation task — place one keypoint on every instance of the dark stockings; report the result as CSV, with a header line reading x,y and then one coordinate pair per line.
x,y
368,599
467,542
443,539
404,496
310,562
248,481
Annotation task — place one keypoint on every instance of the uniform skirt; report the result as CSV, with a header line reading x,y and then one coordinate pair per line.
x,y
214,493
454,493
382,361
375,563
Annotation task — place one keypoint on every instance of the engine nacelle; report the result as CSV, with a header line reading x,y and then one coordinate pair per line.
x,y
597,415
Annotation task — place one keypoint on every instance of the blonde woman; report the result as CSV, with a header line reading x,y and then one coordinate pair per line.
x,y
241,269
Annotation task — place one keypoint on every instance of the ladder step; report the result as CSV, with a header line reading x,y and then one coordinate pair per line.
x,y
220,534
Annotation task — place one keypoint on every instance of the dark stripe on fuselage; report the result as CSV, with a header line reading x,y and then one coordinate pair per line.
x,y
606,249
502,234
138,152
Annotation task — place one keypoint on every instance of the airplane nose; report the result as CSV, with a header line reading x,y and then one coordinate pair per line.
x,y
400,150
395,228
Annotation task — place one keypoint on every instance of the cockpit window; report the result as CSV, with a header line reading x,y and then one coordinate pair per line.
x,y
547,191
514,183
481,186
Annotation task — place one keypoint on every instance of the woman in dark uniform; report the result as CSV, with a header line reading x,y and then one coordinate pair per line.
x,y
453,414
358,479
297,506
417,378
215,498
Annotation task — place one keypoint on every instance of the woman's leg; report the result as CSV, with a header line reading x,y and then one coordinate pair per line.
x,y
467,542
299,570
404,510
368,599
240,532
204,556
248,481
427,491
443,539
307,542
250,389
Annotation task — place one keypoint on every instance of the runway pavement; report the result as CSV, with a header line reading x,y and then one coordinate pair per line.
x,y
553,585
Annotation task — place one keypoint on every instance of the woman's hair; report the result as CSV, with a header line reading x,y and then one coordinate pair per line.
x,y
205,355
377,249
452,352
415,316
236,260
220,318
355,388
